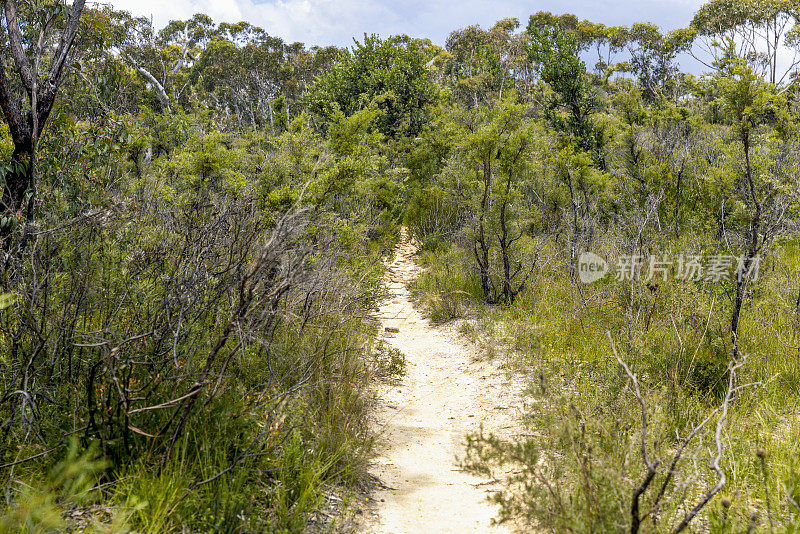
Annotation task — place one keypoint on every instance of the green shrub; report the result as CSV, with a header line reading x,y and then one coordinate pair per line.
x,y
389,361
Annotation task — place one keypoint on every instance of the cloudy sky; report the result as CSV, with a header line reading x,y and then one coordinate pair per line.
x,y
336,22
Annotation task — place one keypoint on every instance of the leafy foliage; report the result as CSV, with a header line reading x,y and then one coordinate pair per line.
x,y
390,74
194,218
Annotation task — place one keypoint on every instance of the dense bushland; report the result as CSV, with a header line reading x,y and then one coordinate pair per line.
x,y
193,221
201,322
187,311
663,396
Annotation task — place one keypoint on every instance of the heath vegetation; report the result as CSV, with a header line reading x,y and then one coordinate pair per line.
x,y
194,217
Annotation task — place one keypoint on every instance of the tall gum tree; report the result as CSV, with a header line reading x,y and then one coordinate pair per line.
x,y
553,50
163,59
27,105
748,102
489,165
761,30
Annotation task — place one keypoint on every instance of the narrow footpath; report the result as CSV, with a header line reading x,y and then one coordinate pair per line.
x,y
423,420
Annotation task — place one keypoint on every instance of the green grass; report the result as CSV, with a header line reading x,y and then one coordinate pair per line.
x,y
586,420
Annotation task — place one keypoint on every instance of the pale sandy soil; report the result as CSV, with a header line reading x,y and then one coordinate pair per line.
x,y
422,421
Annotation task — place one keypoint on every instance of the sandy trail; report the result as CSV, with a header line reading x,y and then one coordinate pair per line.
x,y
423,420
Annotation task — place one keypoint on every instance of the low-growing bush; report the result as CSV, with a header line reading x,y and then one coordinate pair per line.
x,y
213,347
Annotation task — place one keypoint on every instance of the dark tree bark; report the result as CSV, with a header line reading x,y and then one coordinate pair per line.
x,y
506,241
26,126
743,279
576,229
678,201
797,304
505,244
482,254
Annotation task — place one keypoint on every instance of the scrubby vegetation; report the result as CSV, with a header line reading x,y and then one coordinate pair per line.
x,y
665,395
192,229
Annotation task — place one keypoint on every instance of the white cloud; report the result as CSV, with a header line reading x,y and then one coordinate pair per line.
x,y
325,22
163,11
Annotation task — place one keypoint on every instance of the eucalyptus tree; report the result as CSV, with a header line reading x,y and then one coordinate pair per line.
x,y
392,73
162,58
605,41
570,109
255,78
759,28
554,53
489,163
653,58
243,71
480,66
39,39
749,102
303,65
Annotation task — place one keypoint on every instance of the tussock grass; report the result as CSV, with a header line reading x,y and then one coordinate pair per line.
x,y
579,470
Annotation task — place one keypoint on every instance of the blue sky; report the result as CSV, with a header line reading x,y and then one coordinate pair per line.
x,y
322,22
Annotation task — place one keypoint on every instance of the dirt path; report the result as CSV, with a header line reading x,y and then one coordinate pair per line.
x,y
423,421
